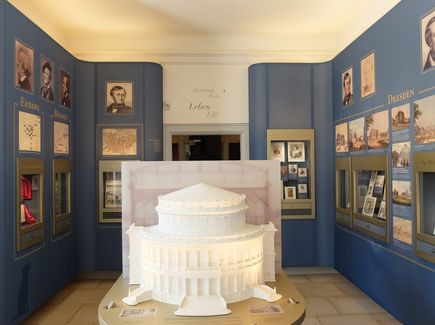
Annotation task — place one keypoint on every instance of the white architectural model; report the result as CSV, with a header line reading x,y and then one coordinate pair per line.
x,y
202,255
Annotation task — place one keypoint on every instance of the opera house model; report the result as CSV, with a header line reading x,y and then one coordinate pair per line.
x,y
201,255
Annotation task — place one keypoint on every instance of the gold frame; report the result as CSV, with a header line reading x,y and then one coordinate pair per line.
x,y
62,222
35,231
107,166
343,163
297,135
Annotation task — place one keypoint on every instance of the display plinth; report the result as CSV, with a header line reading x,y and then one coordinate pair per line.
x,y
292,313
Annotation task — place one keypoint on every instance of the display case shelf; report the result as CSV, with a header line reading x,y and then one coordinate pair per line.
x,y
343,193
109,193
61,196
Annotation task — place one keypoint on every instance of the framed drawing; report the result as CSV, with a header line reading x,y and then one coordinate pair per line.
x,y
356,132
368,78
65,88
400,118
342,137
302,188
119,141
29,132
347,87
427,39
23,67
381,213
424,115
401,154
369,206
302,172
277,151
290,192
402,192
119,97
60,138
377,130
47,73
402,230
296,151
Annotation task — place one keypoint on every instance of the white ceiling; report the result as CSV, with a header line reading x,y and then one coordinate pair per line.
x,y
204,30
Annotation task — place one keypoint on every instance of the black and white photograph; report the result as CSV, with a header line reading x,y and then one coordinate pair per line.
x,y
277,151
296,151
23,67
368,79
369,206
65,89
47,73
342,137
428,41
347,87
119,97
292,171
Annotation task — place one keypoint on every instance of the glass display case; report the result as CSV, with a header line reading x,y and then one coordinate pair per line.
x,y
61,196
343,201
294,149
109,193
424,239
371,195
30,202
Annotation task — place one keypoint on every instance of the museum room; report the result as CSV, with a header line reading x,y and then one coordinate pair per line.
x,y
217,162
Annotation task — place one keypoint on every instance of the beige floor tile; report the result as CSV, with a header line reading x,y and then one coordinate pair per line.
x,y
52,314
311,320
60,296
349,288
326,278
298,279
83,284
347,320
319,306
106,284
87,314
355,305
386,319
85,296
319,289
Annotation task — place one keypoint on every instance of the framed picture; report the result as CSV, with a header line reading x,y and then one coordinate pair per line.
x,y
302,172
369,206
23,67
302,189
400,118
427,39
47,80
61,138
402,230
119,141
284,172
296,151
277,151
402,193
112,194
356,134
65,88
424,115
368,79
378,190
342,137
292,171
401,154
347,87
290,192
377,130
119,97
29,132
382,213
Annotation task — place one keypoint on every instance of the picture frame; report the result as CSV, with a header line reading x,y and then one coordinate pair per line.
x,y
342,137
424,115
302,188
402,230
24,67
357,140
47,78
277,151
377,130
65,93
284,172
401,155
119,97
119,141
295,151
378,189
427,47
61,138
290,192
368,75
347,87
400,118
369,206
292,171
382,214
29,132
302,172
402,193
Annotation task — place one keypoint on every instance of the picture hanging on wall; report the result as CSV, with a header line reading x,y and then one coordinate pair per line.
x,y
402,230
401,154
290,192
342,137
61,138
47,73
356,133
377,130
402,193
119,97
119,141
400,118
29,132
277,151
23,67
368,79
424,115
65,88
428,41
296,151
347,87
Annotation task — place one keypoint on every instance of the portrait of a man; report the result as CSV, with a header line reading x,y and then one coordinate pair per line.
x,y
347,87
368,86
428,41
65,89
47,79
119,98
23,67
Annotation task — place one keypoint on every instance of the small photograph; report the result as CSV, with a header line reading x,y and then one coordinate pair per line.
x,y
292,171
369,206
284,172
356,135
382,214
424,115
65,89
29,132
368,79
428,41
120,142
277,151
302,172
290,192
401,154
342,137
378,190
370,189
23,67
402,230
47,73
296,151
400,118
402,193
119,97
347,87
61,138
377,130
302,189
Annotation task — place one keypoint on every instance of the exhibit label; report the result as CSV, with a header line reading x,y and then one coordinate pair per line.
x,y
28,104
399,97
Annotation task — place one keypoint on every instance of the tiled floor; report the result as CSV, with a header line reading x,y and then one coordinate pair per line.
x,y
331,300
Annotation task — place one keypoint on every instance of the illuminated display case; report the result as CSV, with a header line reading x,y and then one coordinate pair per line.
x,y
61,196
30,202
424,239
343,198
295,151
371,195
109,193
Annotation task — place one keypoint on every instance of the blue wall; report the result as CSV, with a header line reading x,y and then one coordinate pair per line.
x,y
298,96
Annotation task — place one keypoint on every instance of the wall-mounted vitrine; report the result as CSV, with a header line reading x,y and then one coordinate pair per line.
x,y
371,195
295,151
424,239
61,196
109,191
343,199
29,202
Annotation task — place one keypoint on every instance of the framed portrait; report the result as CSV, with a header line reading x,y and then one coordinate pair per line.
x,y
277,151
119,141
302,172
377,130
347,87
400,118
424,115
46,79
427,39
119,97
302,188
65,88
402,230
356,132
296,151
369,206
290,192
342,137
29,132
368,75
60,138
24,75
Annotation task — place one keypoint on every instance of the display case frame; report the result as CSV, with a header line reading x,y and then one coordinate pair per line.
x,y
343,215
297,208
62,222
28,235
376,228
107,214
